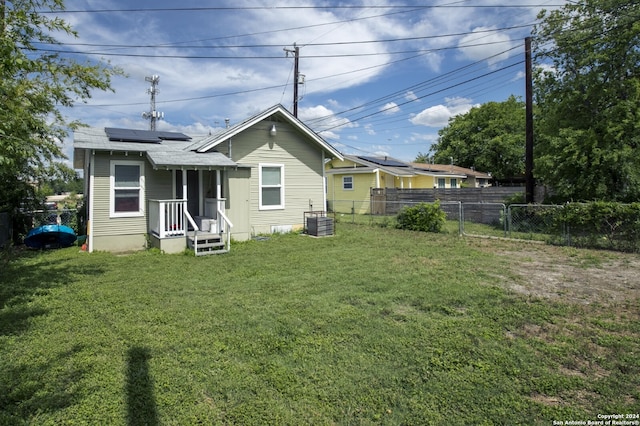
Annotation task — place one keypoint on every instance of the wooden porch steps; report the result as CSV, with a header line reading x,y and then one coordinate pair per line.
x,y
207,243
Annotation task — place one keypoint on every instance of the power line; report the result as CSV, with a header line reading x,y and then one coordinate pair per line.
x,y
428,94
275,8
253,46
344,55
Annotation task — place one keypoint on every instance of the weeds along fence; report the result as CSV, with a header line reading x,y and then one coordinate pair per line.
x,y
610,226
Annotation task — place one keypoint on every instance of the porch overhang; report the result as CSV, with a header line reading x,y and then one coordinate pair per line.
x,y
189,159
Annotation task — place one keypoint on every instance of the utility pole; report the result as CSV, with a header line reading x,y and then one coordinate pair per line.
x,y
296,75
152,114
528,162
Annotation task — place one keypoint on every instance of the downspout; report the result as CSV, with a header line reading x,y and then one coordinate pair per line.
x,y
92,165
324,185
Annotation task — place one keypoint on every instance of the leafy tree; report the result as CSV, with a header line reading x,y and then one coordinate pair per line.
x,y
34,84
489,138
587,90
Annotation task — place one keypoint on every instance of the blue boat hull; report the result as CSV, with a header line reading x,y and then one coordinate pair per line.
x,y
50,236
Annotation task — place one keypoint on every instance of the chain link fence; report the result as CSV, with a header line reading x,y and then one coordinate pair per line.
x,y
538,222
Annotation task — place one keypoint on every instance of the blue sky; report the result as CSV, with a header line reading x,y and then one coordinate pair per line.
x,y
378,79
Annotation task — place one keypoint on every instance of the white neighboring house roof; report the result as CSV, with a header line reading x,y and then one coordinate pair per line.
x,y
452,168
388,165
214,140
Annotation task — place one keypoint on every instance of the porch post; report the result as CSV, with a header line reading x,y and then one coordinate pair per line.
x,y
184,184
200,193
218,189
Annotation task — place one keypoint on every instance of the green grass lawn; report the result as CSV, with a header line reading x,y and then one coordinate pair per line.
x,y
370,326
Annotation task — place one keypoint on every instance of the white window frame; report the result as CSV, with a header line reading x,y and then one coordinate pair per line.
x,y
281,186
442,183
453,182
112,189
351,183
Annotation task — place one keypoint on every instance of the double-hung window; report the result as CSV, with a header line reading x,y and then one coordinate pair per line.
x,y
271,194
454,182
347,183
441,182
127,188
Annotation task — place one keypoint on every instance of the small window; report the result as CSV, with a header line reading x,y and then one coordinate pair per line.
x,y
271,194
441,182
127,188
347,183
454,182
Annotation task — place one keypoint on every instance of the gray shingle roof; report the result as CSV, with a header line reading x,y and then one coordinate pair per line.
x,y
164,154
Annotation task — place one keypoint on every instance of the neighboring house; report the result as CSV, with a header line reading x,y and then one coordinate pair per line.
x,y
350,180
174,191
473,178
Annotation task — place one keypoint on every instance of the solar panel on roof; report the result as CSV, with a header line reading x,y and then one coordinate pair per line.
x,y
144,136
384,161
173,136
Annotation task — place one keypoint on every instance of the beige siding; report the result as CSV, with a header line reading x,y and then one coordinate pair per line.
x,y
303,173
103,224
159,184
123,233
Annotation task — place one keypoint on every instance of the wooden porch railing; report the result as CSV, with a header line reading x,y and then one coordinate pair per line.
x,y
171,218
168,218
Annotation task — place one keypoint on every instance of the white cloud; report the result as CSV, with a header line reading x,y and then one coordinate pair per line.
x,y
410,96
439,115
390,108
381,153
324,121
368,128
492,46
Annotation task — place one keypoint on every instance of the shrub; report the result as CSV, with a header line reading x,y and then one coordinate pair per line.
x,y
601,224
422,217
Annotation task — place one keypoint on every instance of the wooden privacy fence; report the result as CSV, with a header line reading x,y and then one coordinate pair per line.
x,y
388,201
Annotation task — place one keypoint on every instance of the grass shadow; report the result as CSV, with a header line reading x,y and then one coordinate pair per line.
x,y
141,404
29,274
39,387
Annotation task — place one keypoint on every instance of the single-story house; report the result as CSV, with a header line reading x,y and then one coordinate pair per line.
x,y
350,180
473,178
173,191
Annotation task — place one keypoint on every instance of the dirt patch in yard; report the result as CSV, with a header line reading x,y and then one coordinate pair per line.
x,y
566,273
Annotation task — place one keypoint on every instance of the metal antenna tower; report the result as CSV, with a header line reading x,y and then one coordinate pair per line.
x,y
152,114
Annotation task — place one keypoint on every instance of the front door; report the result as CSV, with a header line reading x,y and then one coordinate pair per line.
x,y
193,191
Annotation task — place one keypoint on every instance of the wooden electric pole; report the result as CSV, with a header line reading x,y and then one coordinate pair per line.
x,y
528,162
296,76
